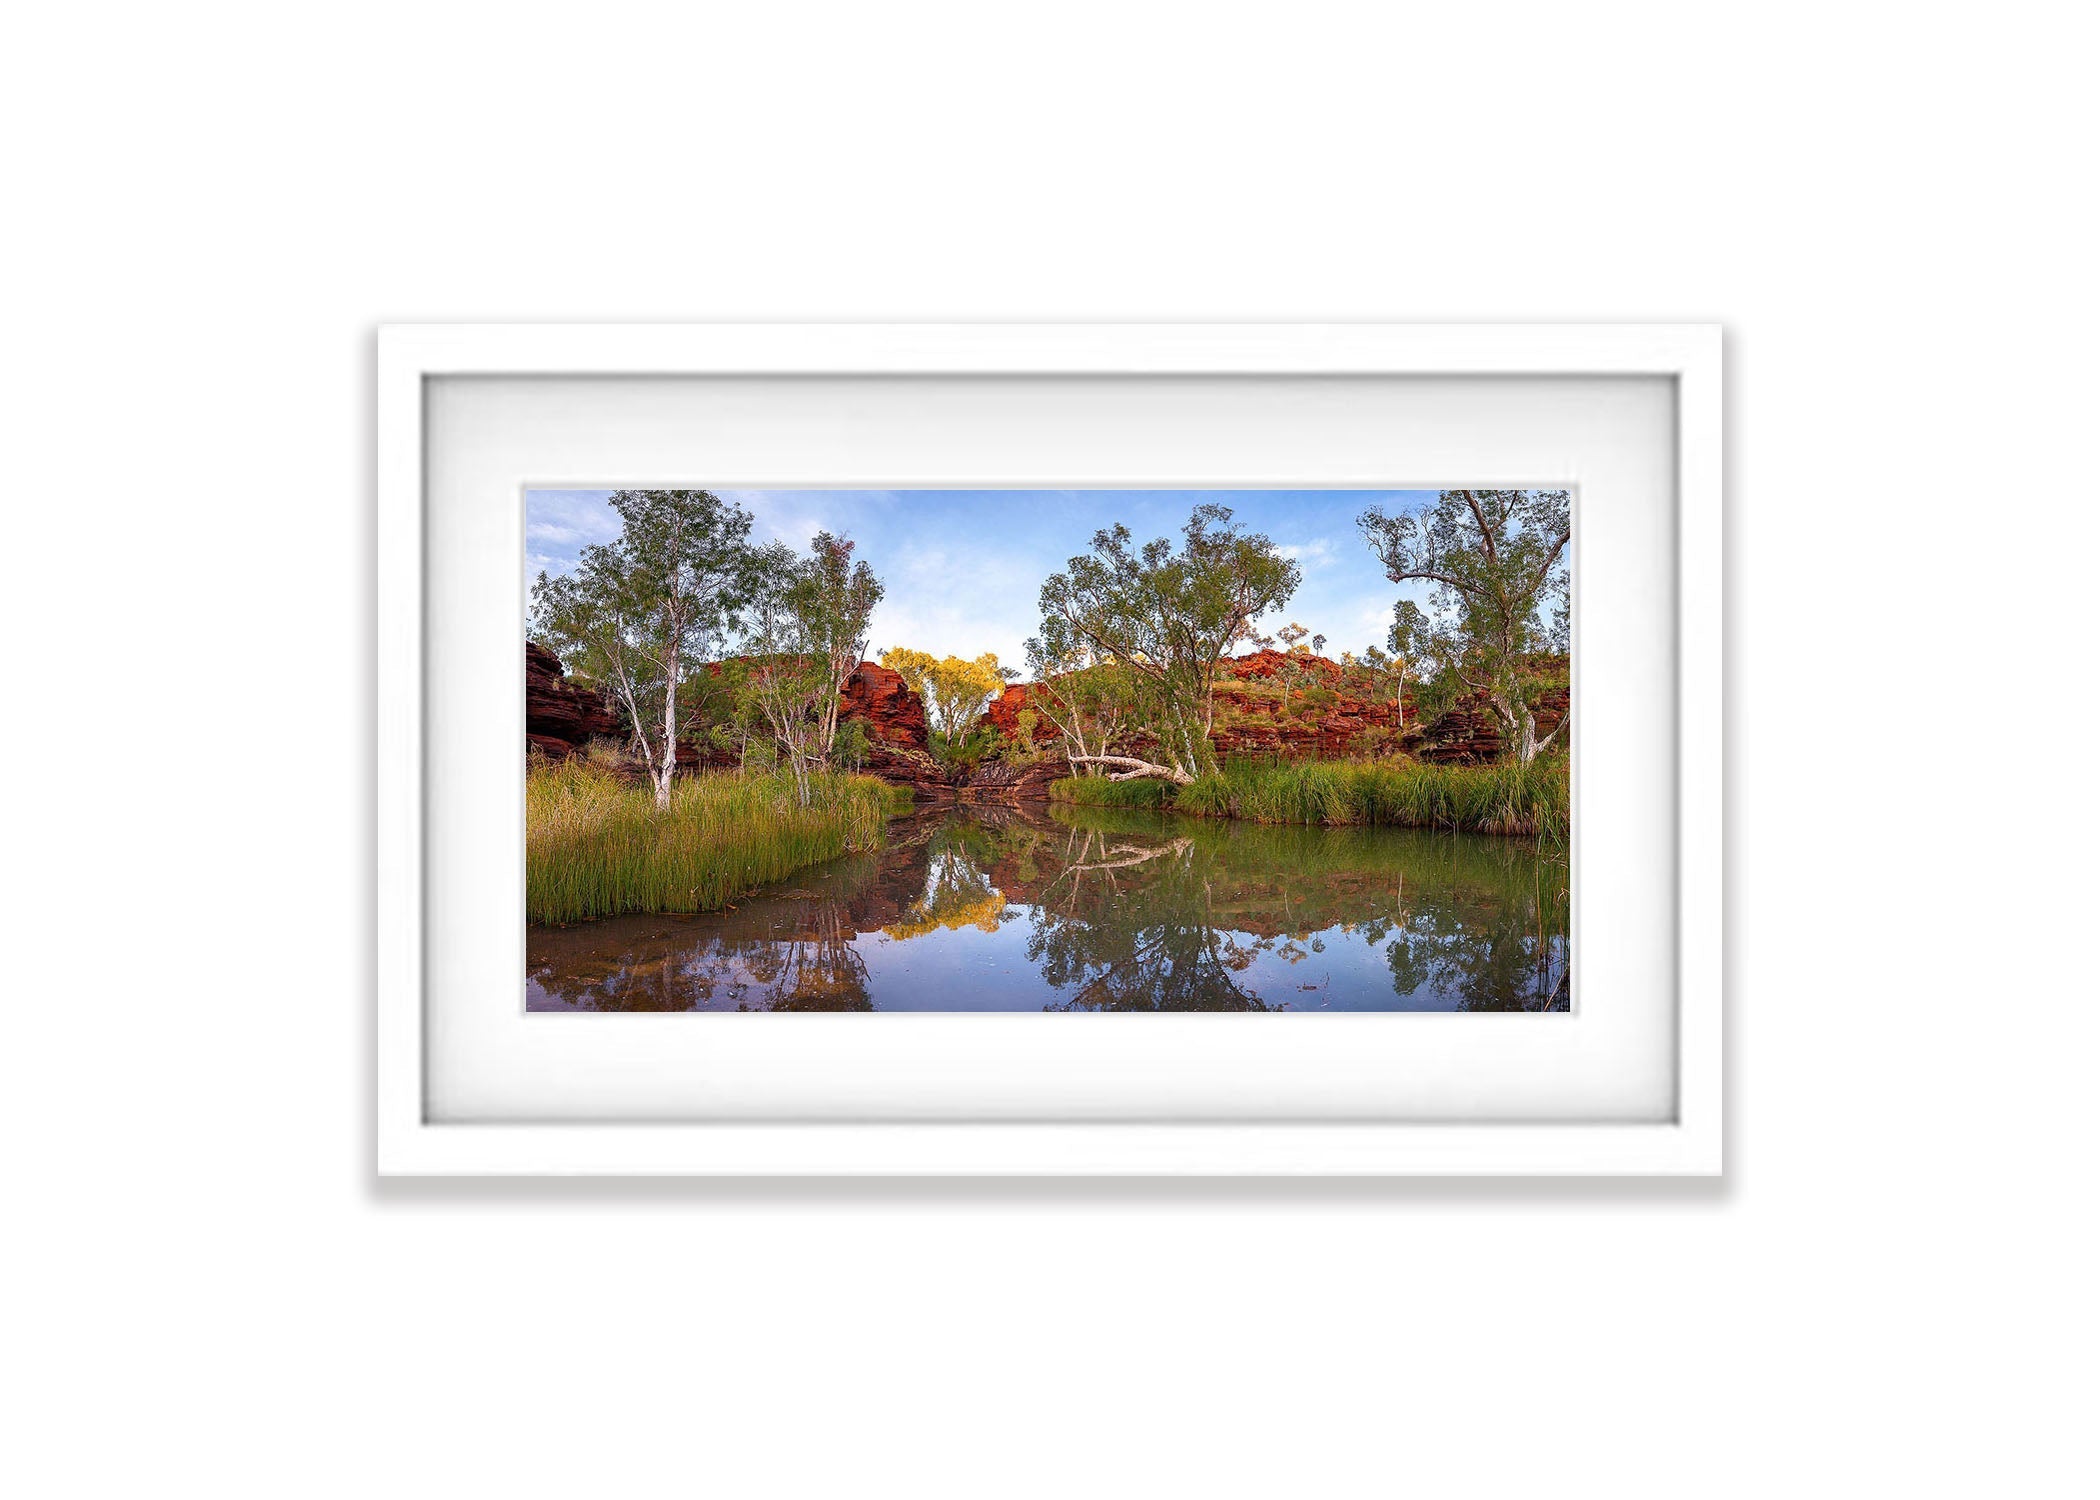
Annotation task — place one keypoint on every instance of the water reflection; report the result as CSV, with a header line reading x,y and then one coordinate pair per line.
x,y
1062,908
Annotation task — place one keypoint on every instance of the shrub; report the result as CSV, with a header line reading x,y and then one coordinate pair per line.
x,y
962,753
1021,743
606,754
849,745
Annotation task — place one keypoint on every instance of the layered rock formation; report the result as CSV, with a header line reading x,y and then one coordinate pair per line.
x,y
1468,734
1328,714
560,717
885,702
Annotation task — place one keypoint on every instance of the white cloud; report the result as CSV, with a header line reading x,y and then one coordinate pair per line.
x,y
1317,553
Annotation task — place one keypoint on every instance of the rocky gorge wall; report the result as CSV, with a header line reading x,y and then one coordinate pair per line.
x,y
1252,719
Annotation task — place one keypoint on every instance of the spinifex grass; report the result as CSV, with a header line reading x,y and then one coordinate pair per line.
x,y
596,846
1099,791
1506,798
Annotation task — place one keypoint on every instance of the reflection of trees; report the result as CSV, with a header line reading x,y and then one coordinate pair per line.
x,y
814,967
1501,947
958,892
1144,920
789,951
1123,928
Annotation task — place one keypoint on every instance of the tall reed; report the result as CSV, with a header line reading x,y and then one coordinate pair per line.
x,y
596,846
1505,798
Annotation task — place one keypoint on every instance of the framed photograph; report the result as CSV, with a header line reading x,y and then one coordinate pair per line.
x,y
1088,750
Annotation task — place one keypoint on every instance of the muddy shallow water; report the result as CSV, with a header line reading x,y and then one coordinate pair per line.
x,y
1053,907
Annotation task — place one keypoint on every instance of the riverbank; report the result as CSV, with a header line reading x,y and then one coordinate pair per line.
x,y
1528,800
596,846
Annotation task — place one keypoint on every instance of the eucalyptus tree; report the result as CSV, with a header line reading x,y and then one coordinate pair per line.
x,y
1407,644
835,597
1168,616
1296,669
954,691
1085,696
806,627
644,610
1497,565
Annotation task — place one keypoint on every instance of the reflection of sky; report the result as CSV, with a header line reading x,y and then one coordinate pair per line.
x,y
970,969
963,567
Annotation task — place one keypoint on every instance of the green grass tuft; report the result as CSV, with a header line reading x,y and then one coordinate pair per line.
x,y
1099,791
595,845
1529,800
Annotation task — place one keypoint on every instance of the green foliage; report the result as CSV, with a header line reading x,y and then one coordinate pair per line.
x,y
1496,564
961,754
597,846
808,621
1167,616
1085,697
639,613
1020,744
1510,798
850,745
681,583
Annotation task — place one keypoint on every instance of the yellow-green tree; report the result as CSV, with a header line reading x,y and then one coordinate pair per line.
x,y
953,690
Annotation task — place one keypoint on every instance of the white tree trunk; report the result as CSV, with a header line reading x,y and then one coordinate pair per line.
x,y
669,763
1135,769
1519,728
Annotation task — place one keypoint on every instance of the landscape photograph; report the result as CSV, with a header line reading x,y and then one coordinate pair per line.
x,y
1074,750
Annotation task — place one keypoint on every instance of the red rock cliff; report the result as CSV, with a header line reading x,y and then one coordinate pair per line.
x,y
559,716
886,703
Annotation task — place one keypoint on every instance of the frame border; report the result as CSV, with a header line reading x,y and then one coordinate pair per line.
x,y
1692,1145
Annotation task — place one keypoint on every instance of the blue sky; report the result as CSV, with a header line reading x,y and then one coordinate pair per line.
x,y
963,567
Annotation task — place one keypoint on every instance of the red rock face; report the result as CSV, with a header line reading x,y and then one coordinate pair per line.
x,y
1003,714
559,717
886,703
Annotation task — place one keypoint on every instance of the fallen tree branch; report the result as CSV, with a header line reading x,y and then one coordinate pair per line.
x,y
1137,769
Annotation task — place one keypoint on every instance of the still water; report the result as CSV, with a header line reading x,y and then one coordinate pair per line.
x,y
1053,907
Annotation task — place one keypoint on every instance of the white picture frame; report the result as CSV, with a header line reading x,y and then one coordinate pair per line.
x,y
1686,1140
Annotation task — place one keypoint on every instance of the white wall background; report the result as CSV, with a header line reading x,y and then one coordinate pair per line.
x,y
210,206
